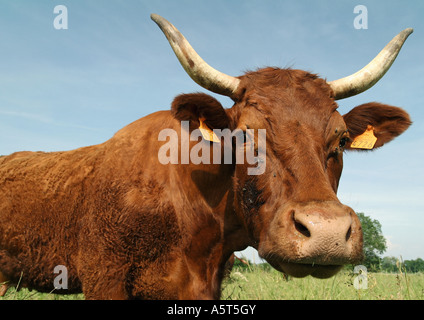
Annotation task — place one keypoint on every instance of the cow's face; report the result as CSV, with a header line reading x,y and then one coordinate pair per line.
x,y
290,210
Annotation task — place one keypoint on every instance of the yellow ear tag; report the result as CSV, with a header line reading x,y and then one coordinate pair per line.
x,y
366,140
207,133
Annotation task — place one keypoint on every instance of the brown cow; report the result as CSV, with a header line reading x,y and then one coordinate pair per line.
x,y
127,226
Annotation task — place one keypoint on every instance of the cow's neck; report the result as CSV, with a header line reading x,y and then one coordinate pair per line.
x,y
214,230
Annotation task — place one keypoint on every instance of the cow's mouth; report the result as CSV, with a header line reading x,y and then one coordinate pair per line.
x,y
317,267
300,270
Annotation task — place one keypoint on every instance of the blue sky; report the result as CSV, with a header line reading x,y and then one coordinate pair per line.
x,y
63,89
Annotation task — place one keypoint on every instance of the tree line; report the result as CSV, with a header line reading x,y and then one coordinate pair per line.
x,y
375,245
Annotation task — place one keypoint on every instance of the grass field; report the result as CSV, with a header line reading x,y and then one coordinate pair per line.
x,y
257,283
265,283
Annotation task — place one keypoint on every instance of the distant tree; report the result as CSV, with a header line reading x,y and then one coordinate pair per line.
x,y
416,265
393,264
390,264
374,242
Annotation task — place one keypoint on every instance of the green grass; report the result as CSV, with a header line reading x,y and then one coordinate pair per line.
x,y
262,282
25,294
257,283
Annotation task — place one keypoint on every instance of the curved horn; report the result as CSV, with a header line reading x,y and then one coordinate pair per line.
x,y
372,72
202,73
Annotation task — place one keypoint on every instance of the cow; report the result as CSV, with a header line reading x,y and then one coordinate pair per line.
x,y
126,226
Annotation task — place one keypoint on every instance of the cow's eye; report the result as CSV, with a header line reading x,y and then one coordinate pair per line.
x,y
343,142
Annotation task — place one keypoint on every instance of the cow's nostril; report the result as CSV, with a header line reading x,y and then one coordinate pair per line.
x,y
300,227
349,232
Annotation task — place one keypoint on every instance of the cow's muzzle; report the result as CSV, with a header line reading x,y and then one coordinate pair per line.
x,y
315,239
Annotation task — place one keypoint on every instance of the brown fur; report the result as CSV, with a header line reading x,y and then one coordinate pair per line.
x,y
129,227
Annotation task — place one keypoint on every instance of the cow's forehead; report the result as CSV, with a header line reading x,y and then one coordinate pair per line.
x,y
278,98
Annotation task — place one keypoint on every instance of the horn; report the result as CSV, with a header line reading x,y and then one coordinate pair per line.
x,y
202,73
372,72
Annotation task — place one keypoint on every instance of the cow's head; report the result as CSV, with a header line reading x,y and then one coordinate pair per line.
x,y
291,210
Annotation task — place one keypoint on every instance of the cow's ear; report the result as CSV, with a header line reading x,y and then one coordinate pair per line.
x,y
377,120
195,106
